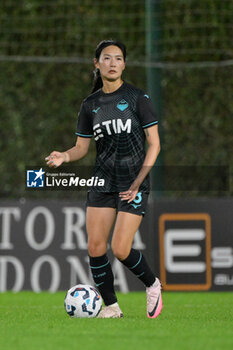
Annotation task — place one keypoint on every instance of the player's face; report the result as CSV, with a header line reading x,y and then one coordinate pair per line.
x,y
111,63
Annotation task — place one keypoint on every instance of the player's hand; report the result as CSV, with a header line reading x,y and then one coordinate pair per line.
x,y
55,159
129,195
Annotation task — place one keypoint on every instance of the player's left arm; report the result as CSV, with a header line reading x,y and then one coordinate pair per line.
x,y
152,137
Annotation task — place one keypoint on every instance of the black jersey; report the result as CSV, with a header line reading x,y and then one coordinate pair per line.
x,y
116,120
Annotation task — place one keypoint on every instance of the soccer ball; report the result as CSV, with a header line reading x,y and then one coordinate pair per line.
x,y
83,301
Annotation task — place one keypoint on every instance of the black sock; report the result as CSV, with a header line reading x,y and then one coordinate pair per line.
x,y
138,265
103,278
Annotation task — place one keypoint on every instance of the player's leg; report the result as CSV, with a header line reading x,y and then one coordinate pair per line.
x,y
101,213
99,222
125,228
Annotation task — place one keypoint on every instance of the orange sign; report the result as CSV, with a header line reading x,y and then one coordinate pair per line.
x,y
168,218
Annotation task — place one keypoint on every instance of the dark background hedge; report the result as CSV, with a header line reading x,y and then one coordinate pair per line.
x,y
39,102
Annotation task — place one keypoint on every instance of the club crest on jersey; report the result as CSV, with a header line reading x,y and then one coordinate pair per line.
x,y
122,105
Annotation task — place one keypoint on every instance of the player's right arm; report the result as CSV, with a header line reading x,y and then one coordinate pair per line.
x,y
55,159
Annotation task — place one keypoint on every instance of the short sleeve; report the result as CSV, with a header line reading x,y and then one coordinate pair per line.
x,y
146,111
84,125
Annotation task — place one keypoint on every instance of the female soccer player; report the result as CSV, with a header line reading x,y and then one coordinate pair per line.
x,y
120,117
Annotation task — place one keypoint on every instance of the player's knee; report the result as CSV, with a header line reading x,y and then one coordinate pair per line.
x,y
120,251
96,248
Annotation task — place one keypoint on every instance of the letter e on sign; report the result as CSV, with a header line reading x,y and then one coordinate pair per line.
x,y
185,251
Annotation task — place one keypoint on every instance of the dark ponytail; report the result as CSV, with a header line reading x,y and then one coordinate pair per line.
x,y
97,82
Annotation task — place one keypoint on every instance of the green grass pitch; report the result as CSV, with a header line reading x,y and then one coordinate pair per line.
x,y
189,321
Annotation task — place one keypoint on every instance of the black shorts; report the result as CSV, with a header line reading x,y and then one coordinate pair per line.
x,y
112,200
